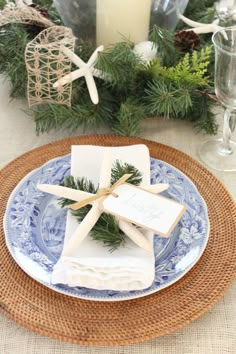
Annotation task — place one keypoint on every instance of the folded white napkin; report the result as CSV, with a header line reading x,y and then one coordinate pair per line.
x,y
91,264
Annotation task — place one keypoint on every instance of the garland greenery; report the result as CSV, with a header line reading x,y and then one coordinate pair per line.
x,y
106,230
177,84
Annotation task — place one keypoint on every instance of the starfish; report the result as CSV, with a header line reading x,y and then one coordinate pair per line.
x,y
95,212
85,69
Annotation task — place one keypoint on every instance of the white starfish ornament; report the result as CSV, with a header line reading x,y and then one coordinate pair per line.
x,y
85,69
95,212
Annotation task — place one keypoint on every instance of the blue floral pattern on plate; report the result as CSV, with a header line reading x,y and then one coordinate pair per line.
x,y
35,226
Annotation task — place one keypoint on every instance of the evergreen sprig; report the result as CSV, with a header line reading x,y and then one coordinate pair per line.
x,y
168,86
128,119
174,91
106,230
13,40
119,169
167,99
201,113
83,113
118,63
76,183
164,42
191,69
200,10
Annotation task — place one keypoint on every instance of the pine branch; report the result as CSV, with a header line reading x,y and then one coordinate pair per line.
x,y
206,122
106,230
201,113
128,118
165,99
13,40
76,183
197,10
84,49
52,116
184,104
119,63
83,113
132,93
119,169
164,42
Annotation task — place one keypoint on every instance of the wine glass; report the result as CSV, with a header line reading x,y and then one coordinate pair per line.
x,y
220,154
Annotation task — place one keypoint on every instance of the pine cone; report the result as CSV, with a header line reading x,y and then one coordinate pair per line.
x,y
186,41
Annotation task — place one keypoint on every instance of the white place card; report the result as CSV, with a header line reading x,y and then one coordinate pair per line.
x,y
145,209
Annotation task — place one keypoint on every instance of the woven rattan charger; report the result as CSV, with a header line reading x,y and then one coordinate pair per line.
x,y
117,323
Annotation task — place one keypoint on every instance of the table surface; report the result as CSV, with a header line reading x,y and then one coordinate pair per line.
x,y
214,332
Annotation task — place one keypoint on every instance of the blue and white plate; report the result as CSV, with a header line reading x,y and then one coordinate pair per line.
x,y
35,226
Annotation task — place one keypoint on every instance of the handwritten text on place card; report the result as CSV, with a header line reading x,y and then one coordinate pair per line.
x,y
150,211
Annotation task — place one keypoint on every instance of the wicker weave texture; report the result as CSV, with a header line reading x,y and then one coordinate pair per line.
x,y
118,323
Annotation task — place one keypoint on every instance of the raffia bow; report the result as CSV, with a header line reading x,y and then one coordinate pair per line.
x,y
102,192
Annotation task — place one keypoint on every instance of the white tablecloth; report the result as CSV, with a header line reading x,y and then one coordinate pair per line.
x,y
213,333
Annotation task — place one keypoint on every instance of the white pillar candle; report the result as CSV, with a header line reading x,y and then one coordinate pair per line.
x,y
119,19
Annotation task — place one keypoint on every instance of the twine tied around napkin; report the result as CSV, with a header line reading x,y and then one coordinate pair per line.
x,y
89,264
102,192
84,198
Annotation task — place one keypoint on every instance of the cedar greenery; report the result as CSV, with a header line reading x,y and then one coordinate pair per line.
x,y
106,230
172,86
190,71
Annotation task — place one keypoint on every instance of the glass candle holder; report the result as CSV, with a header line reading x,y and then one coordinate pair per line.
x,y
109,21
165,13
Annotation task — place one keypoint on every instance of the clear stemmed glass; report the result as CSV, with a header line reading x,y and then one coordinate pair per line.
x,y
220,154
